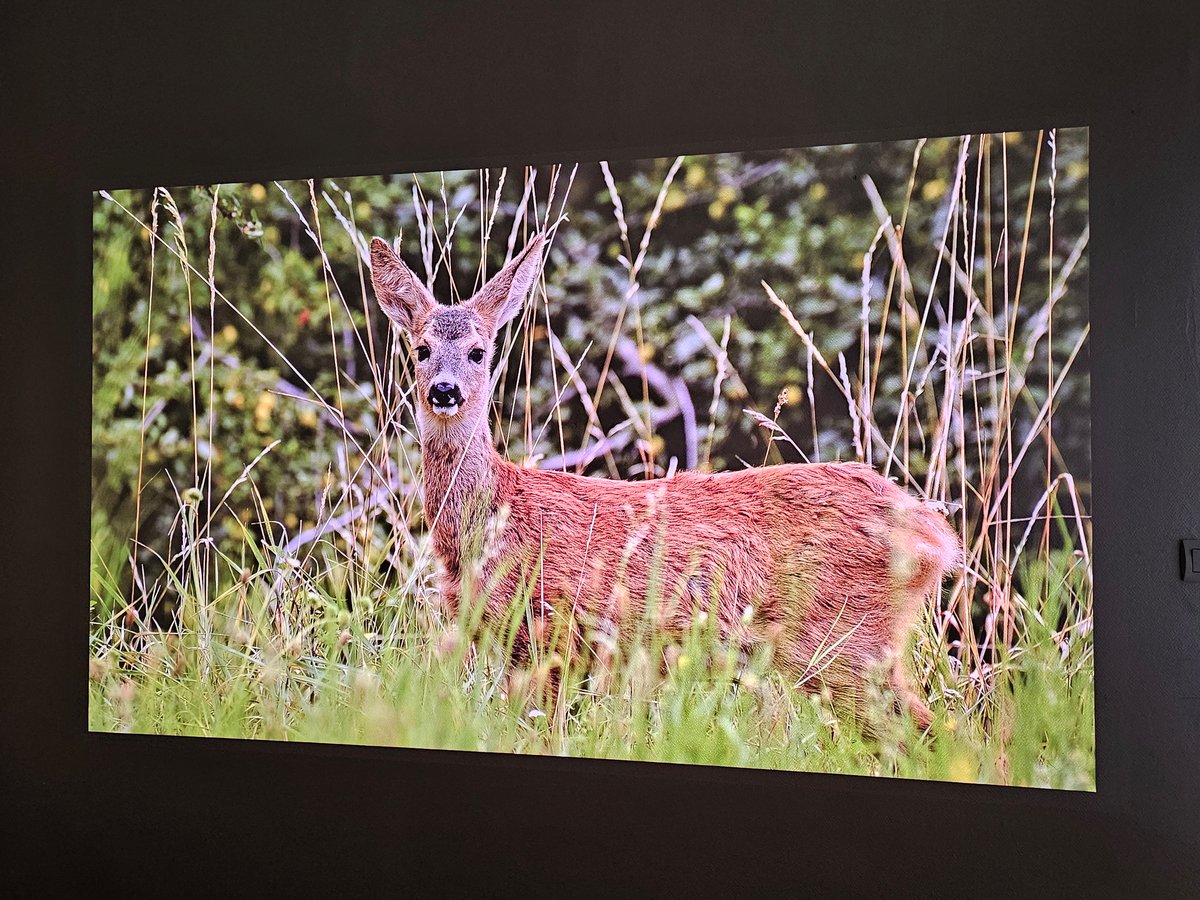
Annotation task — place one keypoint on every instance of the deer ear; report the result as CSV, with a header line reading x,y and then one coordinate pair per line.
x,y
502,298
399,292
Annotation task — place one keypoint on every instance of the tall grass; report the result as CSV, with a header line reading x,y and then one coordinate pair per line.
x,y
331,631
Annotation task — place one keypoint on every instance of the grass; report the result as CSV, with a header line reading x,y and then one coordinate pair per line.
x,y
389,670
334,633
292,652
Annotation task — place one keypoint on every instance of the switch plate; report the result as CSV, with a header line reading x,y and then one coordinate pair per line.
x,y
1189,560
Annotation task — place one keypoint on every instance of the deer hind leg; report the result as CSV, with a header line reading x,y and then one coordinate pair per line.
x,y
854,684
907,698
860,698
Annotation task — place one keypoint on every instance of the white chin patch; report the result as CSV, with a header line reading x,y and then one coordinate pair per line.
x,y
445,411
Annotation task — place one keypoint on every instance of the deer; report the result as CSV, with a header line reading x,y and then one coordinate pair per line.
x,y
795,557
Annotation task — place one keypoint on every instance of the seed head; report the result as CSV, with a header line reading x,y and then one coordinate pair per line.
x,y
98,668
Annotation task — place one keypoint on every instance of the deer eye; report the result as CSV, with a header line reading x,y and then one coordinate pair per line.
x,y
476,355
422,353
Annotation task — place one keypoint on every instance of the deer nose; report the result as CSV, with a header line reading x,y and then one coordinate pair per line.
x,y
445,393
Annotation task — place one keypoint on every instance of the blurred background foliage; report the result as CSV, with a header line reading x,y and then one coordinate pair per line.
x,y
798,219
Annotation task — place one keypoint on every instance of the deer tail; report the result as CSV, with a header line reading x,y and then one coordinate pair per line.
x,y
927,549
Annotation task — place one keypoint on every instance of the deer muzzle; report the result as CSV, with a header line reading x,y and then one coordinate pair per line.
x,y
445,398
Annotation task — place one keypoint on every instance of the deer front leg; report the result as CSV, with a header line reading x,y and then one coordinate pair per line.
x,y
544,650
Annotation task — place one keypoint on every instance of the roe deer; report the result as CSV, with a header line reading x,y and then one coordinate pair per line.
x,y
824,555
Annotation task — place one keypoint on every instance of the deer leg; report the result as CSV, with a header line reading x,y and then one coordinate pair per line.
x,y
538,664
907,698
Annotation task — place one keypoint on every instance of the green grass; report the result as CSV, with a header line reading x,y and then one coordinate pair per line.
x,y
291,653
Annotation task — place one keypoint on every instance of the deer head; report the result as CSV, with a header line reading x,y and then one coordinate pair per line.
x,y
452,344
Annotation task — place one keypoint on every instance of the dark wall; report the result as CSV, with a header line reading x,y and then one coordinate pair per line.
x,y
95,97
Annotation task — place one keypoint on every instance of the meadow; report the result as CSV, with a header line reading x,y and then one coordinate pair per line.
x,y
260,559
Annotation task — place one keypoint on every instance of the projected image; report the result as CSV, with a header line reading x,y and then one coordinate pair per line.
x,y
773,459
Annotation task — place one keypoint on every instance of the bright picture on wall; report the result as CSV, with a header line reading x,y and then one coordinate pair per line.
x,y
770,459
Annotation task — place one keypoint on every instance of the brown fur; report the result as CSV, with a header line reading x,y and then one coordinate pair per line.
x,y
826,563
